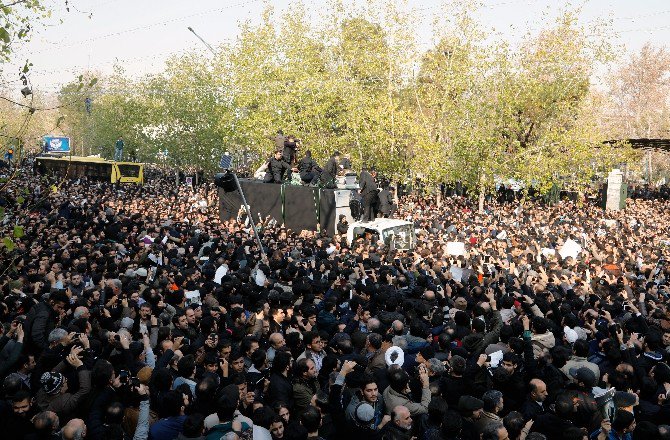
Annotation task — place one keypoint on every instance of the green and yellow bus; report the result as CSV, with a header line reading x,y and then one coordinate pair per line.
x,y
94,168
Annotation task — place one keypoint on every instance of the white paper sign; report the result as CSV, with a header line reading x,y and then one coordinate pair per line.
x,y
220,273
547,252
455,248
570,249
456,273
260,278
496,357
192,297
502,235
610,223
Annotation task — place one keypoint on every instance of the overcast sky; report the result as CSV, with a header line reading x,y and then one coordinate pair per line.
x,y
140,34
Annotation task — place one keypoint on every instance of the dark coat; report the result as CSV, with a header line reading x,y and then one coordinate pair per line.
x,y
551,426
307,165
280,390
39,322
329,173
367,184
531,410
385,201
277,170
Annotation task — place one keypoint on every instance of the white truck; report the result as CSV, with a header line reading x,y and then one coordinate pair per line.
x,y
399,234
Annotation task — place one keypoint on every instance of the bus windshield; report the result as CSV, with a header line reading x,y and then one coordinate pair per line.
x,y
128,170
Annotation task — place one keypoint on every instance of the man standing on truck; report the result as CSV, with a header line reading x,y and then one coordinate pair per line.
x,y
368,193
118,150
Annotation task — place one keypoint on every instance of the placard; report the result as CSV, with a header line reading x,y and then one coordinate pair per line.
x,y
455,248
570,249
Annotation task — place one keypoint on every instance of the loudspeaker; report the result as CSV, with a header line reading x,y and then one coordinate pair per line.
x,y
225,181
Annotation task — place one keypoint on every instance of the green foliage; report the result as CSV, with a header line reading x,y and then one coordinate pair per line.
x,y
475,110
17,20
9,244
18,231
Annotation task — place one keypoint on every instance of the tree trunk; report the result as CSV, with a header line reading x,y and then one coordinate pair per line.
x,y
482,196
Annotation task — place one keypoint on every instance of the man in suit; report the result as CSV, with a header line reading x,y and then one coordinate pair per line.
x,y
368,191
290,149
330,171
309,169
385,201
277,170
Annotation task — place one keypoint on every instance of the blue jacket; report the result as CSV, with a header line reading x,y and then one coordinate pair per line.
x,y
167,429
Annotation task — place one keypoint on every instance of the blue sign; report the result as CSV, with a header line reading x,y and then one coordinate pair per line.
x,y
56,144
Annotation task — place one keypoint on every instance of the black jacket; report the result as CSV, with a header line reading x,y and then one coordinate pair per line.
x,y
280,390
329,173
367,184
531,410
307,165
385,201
278,169
41,319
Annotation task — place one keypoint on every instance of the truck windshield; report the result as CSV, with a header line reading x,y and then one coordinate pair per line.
x,y
401,236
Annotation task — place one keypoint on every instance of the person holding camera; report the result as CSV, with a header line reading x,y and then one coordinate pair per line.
x,y
53,394
398,392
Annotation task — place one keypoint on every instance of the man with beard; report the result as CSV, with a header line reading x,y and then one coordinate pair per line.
x,y
367,392
471,410
400,427
18,423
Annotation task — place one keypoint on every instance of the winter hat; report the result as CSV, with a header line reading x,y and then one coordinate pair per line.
x,y
469,404
51,382
471,341
584,375
364,413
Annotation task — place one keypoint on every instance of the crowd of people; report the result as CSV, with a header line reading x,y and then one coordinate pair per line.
x,y
135,312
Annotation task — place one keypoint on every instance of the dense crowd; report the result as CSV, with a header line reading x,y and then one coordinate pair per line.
x,y
134,312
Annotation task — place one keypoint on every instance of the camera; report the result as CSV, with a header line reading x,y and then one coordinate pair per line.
x,y
128,380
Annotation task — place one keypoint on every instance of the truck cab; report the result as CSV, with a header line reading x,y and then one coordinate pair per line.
x,y
395,233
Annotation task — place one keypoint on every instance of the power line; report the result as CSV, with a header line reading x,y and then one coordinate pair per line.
x,y
151,25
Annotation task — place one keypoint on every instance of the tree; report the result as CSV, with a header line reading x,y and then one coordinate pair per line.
x,y
639,106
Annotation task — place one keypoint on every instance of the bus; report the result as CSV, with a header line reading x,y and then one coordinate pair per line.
x,y
94,168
